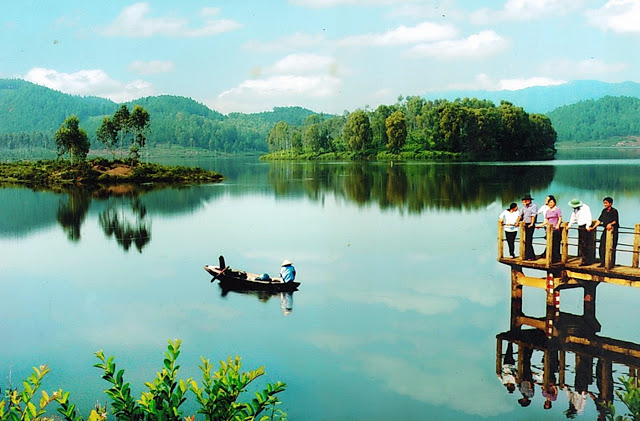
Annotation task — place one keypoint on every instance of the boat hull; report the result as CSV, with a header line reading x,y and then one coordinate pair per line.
x,y
246,281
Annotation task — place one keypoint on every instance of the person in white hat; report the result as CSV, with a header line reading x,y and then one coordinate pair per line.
x,y
287,271
581,215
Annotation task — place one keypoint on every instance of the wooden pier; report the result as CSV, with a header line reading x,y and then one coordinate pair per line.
x,y
558,333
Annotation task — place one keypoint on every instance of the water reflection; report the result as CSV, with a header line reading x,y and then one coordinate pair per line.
x,y
286,298
415,187
124,219
571,368
72,212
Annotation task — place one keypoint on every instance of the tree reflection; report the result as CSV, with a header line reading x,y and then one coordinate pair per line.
x,y
415,187
71,214
124,220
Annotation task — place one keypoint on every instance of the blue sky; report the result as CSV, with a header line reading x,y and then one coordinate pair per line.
x,y
326,55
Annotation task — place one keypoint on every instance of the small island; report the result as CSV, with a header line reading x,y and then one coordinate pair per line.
x,y
99,172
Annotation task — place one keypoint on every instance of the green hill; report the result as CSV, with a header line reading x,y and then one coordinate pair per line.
x,y
30,115
605,118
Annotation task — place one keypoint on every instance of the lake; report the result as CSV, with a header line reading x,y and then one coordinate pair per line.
x,y
401,297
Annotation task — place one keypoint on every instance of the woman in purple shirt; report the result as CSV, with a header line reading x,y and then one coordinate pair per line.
x,y
553,217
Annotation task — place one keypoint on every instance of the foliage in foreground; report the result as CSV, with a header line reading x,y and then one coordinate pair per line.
x,y
630,396
218,396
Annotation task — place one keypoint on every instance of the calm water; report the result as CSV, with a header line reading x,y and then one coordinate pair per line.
x,y
401,297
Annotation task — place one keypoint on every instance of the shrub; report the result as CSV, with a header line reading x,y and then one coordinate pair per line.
x,y
218,396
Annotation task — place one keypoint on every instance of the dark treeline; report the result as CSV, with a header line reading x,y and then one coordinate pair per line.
x,y
417,128
604,118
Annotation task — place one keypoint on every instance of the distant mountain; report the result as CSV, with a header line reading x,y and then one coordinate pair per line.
x,y
30,115
542,99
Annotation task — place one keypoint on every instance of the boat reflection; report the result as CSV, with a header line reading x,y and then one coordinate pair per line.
x,y
286,298
573,361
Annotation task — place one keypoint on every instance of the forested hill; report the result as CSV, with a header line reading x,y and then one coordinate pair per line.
x,y
604,118
26,107
30,114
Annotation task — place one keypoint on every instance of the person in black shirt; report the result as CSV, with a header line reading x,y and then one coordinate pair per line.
x,y
610,221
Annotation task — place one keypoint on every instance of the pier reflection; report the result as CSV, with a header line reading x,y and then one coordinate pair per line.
x,y
569,366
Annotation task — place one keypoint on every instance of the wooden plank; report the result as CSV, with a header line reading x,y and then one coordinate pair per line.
x,y
531,321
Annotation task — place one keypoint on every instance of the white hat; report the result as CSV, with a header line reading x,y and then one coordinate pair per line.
x,y
286,262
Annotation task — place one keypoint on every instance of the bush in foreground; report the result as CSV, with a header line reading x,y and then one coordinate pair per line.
x,y
217,396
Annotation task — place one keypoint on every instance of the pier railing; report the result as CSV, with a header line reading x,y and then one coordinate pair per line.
x,y
628,243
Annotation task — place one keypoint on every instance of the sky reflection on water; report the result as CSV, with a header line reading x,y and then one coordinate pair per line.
x,y
401,294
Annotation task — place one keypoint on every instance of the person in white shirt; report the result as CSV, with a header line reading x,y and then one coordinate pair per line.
x,y
542,210
509,219
581,215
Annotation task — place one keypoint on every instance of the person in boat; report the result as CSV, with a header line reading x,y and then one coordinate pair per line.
x,y
287,271
509,218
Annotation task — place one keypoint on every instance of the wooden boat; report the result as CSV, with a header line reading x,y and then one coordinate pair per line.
x,y
239,280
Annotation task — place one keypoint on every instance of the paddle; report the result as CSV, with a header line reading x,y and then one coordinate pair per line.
x,y
219,273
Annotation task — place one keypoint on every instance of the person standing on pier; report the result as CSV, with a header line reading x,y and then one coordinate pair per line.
x,y
581,215
553,217
528,214
609,219
509,218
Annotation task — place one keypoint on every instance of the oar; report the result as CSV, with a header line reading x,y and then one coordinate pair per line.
x,y
218,274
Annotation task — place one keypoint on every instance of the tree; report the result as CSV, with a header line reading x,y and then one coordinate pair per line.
x,y
122,122
139,122
71,139
357,132
396,126
279,137
108,134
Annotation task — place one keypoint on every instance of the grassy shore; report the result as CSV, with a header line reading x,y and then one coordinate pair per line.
x,y
99,172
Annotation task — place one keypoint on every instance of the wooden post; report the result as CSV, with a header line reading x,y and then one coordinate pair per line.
x,y
498,356
547,372
520,360
521,248
565,242
516,297
591,244
589,300
635,259
562,360
500,240
608,250
549,229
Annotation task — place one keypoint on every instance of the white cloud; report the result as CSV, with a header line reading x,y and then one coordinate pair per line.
x,y
519,10
296,41
321,4
423,32
134,22
89,82
151,67
517,84
303,64
427,9
619,16
480,45
262,94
